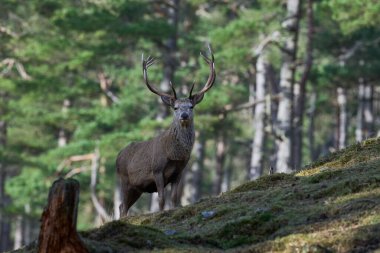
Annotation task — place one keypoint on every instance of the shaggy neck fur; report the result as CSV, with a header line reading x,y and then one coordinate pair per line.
x,y
182,140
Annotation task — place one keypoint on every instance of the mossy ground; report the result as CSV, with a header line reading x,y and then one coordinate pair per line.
x,y
332,205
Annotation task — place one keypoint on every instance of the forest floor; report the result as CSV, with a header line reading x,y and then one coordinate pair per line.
x,y
332,205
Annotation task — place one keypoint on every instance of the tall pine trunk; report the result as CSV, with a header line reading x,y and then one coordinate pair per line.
x,y
300,101
360,112
285,108
311,129
342,118
369,118
219,166
365,117
258,124
5,225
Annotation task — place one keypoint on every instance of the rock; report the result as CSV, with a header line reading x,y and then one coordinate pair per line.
x,y
208,214
170,232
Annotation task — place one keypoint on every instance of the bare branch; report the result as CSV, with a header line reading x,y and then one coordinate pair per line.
x,y
21,70
10,63
271,39
105,83
8,32
94,158
357,46
230,108
76,171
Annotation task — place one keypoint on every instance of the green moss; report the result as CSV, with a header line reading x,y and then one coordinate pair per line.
x,y
360,152
119,235
265,182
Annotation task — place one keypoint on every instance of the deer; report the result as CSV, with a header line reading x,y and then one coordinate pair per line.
x,y
149,166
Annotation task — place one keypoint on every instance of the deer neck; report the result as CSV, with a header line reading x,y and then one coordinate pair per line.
x,y
181,140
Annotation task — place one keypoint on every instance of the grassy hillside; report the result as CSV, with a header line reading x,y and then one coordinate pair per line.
x,y
332,205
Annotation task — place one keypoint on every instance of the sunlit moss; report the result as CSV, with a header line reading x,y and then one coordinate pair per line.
x,y
330,206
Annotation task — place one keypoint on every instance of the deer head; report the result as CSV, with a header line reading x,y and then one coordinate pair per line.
x,y
183,107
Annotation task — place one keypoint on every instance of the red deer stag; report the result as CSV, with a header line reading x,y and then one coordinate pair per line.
x,y
149,166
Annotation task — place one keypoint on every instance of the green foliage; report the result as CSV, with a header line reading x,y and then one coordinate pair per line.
x,y
65,46
356,15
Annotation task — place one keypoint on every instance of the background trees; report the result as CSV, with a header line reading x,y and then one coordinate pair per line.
x,y
72,93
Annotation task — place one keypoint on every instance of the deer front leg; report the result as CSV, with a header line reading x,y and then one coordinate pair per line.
x,y
174,192
159,178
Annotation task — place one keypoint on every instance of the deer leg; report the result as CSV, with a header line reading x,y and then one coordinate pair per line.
x,y
159,178
124,189
130,197
174,192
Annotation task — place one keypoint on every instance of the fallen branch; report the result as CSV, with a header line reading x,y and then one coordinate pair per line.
x,y
94,159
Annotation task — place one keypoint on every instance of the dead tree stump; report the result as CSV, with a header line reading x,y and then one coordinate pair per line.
x,y
59,219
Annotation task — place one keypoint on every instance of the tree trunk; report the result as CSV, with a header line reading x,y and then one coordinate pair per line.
x,y
258,124
311,129
360,113
116,201
219,166
192,189
285,107
365,118
18,232
59,219
342,118
5,225
368,111
300,101
94,171
169,51
273,84
27,226
62,135
226,185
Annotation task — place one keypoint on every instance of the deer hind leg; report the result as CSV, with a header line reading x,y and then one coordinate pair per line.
x,y
130,196
174,192
160,184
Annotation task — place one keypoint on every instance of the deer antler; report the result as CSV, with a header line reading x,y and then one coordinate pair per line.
x,y
211,78
146,64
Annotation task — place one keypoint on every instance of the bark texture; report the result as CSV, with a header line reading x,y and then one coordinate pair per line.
x,y
342,118
285,106
300,102
258,124
219,166
5,225
364,118
58,222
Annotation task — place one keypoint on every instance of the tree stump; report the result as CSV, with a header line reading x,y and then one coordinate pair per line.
x,y
59,219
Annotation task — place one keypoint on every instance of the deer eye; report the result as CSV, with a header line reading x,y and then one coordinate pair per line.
x,y
175,108
191,107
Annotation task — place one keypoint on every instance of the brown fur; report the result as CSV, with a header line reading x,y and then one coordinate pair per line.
x,y
150,165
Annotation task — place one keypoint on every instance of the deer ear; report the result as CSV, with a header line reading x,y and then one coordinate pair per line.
x,y
197,98
167,100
